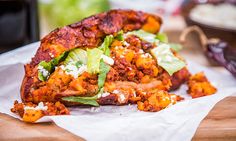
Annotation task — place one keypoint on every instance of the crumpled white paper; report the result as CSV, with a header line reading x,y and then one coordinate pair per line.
x,y
116,123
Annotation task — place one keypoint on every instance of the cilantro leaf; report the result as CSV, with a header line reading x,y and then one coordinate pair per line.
x,y
46,68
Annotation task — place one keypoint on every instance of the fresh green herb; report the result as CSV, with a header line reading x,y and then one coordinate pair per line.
x,y
162,37
46,68
76,55
175,47
68,70
60,58
78,64
42,77
94,57
83,100
46,65
104,69
105,45
166,59
149,37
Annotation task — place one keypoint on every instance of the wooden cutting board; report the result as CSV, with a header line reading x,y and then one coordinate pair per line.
x,y
219,125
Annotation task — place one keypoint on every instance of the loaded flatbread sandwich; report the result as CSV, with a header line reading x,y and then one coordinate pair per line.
x,y
113,58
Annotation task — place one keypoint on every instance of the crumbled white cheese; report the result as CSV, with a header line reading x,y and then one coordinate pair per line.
x,y
44,72
146,55
107,60
140,51
129,68
105,94
51,55
116,92
125,43
82,69
122,97
71,69
120,94
39,107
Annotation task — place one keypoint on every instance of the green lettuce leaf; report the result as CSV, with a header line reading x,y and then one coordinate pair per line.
x,y
166,59
76,55
162,37
94,57
149,37
83,100
104,69
105,45
120,36
176,47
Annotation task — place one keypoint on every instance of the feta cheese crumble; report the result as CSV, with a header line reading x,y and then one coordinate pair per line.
x,y
122,97
71,69
146,55
125,43
51,55
116,92
140,51
105,94
39,107
107,60
120,94
44,72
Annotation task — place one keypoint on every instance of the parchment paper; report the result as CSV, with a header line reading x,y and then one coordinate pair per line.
x,y
179,122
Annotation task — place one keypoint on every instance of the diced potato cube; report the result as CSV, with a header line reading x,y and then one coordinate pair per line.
x,y
31,115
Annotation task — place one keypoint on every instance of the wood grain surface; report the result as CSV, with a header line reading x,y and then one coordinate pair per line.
x,y
219,125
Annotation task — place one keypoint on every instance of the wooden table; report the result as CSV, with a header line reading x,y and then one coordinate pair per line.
x,y
219,125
